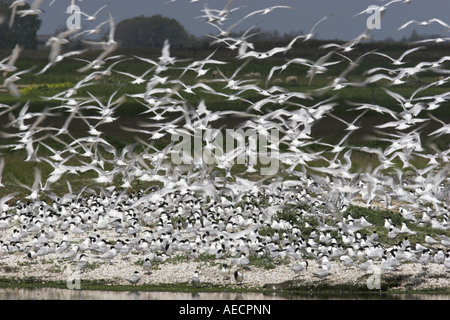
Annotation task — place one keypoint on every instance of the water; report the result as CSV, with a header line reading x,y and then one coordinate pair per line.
x,y
65,294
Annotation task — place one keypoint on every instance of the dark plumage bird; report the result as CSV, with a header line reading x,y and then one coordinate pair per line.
x,y
225,272
238,277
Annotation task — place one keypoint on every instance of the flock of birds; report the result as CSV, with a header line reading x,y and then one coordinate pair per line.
x,y
192,210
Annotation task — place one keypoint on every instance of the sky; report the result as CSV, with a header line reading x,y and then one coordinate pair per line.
x,y
342,24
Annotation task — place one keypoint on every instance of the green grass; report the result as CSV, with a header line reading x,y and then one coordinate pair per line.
x,y
377,218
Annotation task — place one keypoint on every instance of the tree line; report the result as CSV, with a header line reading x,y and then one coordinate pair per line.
x,y
23,31
138,32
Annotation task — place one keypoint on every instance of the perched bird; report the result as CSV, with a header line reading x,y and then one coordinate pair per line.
x,y
147,266
44,250
31,255
425,257
225,272
386,265
447,262
72,253
238,277
405,229
430,240
243,260
439,257
195,280
346,260
298,268
392,234
135,278
109,254
366,266
74,229
323,272
82,262
5,224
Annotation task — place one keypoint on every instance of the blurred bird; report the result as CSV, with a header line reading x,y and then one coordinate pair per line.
x,y
135,278
238,277
195,279
147,266
299,267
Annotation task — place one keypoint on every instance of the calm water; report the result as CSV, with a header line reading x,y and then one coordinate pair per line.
x,y
65,294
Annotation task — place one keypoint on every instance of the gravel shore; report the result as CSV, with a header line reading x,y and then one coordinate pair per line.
x,y
276,276
51,268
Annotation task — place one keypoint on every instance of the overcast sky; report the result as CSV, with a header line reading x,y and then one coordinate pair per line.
x,y
341,25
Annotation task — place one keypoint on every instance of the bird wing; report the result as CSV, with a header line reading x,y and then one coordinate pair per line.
x,y
442,23
112,28
410,51
406,24
318,22
36,4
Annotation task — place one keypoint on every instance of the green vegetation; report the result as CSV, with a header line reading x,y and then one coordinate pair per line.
x,y
377,218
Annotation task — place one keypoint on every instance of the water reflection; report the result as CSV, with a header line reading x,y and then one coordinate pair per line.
x,y
64,294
